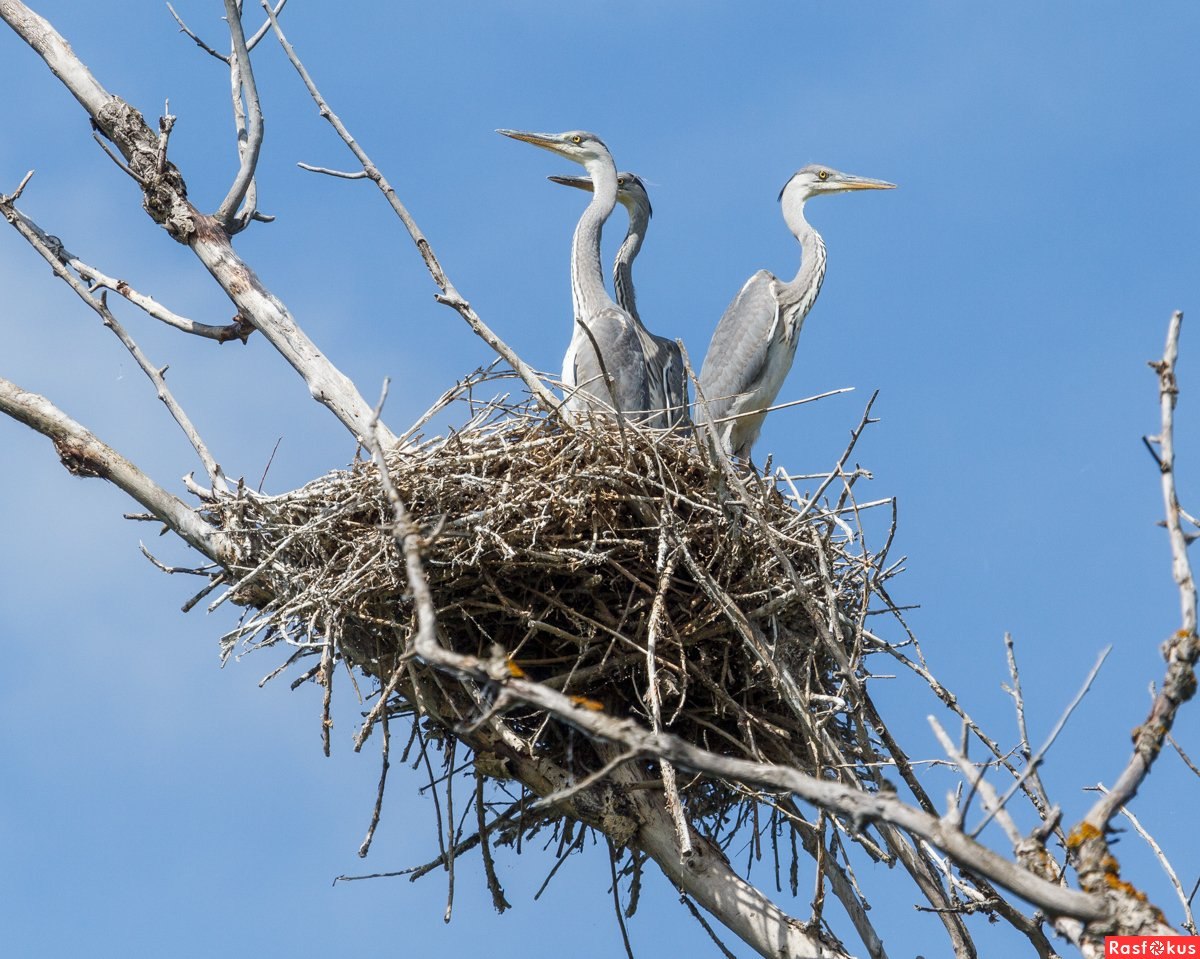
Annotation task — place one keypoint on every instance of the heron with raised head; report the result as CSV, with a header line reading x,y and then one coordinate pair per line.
x,y
664,359
755,342
604,369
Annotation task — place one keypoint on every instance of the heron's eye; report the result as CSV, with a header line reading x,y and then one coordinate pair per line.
x,y
823,175
577,138
620,181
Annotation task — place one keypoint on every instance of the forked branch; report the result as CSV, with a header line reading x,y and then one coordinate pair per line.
x,y
165,199
249,119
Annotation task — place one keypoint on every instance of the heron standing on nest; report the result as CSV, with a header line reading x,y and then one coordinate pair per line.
x,y
605,367
664,359
755,342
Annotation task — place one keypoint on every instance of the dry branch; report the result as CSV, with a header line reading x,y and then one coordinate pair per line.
x,y
165,199
54,254
449,294
85,455
1098,869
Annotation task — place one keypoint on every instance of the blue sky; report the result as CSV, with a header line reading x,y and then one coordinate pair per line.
x,y
1003,301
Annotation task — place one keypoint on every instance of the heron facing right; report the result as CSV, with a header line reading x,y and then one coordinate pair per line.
x,y
755,341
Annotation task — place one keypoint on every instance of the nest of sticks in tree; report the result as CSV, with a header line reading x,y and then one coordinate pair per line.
x,y
627,568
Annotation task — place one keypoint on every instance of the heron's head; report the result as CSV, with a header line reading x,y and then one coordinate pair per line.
x,y
815,180
576,145
631,191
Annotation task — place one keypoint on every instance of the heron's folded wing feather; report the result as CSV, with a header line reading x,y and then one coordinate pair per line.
x,y
622,359
739,348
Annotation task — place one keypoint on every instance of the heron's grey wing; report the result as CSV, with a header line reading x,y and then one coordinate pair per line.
x,y
621,358
740,345
668,367
655,361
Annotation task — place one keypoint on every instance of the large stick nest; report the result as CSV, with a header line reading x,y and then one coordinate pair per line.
x,y
627,568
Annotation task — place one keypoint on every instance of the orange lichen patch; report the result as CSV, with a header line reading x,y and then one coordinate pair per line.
x,y
514,670
584,703
1117,884
1081,834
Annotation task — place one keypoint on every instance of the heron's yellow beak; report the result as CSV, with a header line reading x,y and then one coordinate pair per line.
x,y
864,183
547,141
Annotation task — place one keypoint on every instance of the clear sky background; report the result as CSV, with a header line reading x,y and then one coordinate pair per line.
x,y
1003,301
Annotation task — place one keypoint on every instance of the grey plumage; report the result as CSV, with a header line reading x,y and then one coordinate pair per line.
x,y
755,341
664,360
604,369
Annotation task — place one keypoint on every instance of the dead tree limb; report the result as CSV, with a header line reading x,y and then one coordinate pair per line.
x,y
165,199
85,455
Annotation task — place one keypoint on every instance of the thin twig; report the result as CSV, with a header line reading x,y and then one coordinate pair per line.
x,y
376,811
183,28
612,865
1036,760
449,294
354,175
55,256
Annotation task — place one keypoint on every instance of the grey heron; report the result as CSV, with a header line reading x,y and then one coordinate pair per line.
x,y
664,360
755,341
604,369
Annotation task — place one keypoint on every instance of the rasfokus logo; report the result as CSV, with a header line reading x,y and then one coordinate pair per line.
x,y
1152,946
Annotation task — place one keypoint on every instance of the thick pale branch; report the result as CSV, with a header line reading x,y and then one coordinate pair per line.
x,y
85,455
60,58
854,804
1189,921
265,28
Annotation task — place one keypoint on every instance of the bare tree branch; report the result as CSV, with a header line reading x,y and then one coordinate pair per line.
x,y
165,199
184,28
1032,762
1038,795
85,455
1182,650
341,174
57,258
98,280
1189,921
249,127
265,28
1097,867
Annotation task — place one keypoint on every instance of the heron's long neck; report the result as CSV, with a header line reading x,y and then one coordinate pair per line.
x,y
804,288
587,275
623,267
